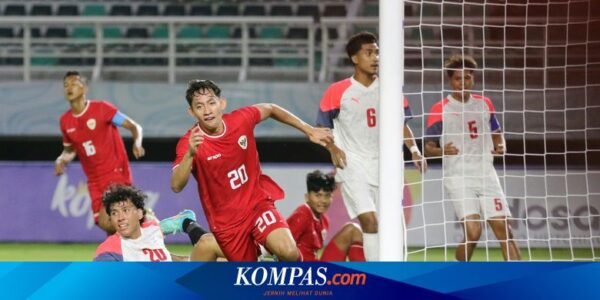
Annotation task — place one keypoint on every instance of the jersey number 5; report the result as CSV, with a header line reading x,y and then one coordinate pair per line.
x,y
89,148
237,177
473,129
371,118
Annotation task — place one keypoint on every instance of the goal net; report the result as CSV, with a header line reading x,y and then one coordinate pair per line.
x,y
539,64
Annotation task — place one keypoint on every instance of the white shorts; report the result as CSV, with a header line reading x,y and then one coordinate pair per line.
x,y
482,196
359,197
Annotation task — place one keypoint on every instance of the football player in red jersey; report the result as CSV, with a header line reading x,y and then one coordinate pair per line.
x,y
220,152
309,224
89,130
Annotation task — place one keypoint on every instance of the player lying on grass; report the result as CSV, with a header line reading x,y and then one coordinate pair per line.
x,y
139,238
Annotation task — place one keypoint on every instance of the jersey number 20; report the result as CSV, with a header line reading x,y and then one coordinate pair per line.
x,y
237,177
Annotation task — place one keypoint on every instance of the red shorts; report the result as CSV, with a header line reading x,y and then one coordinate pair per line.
x,y
97,188
242,242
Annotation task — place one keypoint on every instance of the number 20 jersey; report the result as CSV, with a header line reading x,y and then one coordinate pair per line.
x,y
228,172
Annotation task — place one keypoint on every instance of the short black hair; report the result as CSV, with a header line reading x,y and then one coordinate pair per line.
x,y
118,193
76,73
356,41
457,62
201,86
317,180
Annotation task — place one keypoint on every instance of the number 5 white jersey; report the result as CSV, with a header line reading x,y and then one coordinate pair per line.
x,y
468,126
351,110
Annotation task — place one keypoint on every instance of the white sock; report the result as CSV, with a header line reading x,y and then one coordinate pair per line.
x,y
371,246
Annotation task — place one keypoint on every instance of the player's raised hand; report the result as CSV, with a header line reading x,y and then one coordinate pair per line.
x,y
321,136
499,150
449,149
338,157
138,152
419,161
196,138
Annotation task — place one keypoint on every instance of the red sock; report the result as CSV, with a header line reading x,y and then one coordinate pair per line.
x,y
332,253
356,252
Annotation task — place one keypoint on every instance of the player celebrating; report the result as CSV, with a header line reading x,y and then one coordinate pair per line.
x,y
350,107
467,127
220,151
309,224
138,238
89,130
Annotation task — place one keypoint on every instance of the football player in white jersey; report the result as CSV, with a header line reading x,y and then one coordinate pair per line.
x,y
467,127
350,107
142,239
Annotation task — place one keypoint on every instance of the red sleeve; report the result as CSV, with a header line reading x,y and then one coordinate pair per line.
x,y
251,114
297,222
108,111
112,244
181,149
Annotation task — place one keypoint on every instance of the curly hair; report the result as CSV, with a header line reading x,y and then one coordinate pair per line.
x,y
456,62
202,87
317,180
356,41
119,193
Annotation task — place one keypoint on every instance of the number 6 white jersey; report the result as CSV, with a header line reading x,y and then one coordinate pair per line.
x,y
351,110
468,126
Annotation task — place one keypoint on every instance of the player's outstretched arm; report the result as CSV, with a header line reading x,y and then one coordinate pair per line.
x,y
317,135
63,159
136,132
181,173
417,158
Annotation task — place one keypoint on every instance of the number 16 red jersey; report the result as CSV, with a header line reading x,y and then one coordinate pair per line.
x,y
228,172
96,140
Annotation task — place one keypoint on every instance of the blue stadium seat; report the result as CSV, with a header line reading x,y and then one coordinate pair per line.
x,y
56,32
137,32
68,10
147,10
295,33
41,10
237,32
174,10
281,10
310,11
14,10
201,10
254,10
228,10
120,10
335,11
7,32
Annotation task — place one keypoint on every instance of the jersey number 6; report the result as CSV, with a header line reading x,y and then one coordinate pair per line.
x,y
371,119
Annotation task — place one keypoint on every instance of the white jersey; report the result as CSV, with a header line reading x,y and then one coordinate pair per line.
x,y
150,246
468,126
351,110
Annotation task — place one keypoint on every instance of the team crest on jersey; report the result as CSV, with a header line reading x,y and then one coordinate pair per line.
x,y
243,142
91,124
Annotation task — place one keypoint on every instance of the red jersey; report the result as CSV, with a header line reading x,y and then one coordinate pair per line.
x,y
308,231
95,139
227,169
